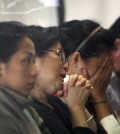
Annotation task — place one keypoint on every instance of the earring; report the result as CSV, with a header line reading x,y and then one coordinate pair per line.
x,y
75,65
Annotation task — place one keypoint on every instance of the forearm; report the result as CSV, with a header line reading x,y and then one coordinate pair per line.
x,y
91,123
101,110
101,107
78,117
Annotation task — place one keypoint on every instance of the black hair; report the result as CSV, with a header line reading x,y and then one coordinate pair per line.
x,y
11,34
43,38
17,23
77,31
115,28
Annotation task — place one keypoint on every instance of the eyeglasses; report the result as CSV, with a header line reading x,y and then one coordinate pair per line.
x,y
60,53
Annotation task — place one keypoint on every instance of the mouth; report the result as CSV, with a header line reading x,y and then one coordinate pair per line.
x,y
63,75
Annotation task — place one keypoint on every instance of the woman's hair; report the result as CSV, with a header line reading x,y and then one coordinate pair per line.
x,y
43,38
92,39
11,34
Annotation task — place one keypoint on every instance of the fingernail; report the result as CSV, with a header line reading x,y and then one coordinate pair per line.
x,y
75,75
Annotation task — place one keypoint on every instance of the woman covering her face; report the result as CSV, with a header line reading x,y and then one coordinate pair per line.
x,y
52,66
89,53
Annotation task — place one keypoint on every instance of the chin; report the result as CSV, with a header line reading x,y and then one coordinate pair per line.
x,y
117,69
52,91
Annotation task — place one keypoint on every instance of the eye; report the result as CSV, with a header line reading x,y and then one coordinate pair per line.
x,y
27,60
33,59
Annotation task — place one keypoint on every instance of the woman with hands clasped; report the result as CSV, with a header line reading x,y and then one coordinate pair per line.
x,y
52,66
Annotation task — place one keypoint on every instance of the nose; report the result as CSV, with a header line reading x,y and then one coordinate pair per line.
x,y
34,71
66,66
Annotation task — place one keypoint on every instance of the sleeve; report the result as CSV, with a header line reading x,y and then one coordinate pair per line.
x,y
5,130
110,124
81,130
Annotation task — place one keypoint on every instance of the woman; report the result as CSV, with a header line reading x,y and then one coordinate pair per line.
x,y
52,66
17,77
90,53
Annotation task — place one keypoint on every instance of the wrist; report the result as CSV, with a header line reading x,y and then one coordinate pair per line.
x,y
99,102
90,118
98,98
76,108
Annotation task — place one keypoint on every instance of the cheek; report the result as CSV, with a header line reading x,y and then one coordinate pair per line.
x,y
53,70
18,76
92,71
49,77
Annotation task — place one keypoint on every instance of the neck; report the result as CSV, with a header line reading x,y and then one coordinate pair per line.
x,y
41,97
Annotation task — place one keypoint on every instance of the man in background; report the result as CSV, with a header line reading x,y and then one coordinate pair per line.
x,y
113,90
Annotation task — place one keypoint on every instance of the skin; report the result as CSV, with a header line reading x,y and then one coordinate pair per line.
x,y
19,72
77,64
93,69
116,55
52,67
78,93
49,79
99,67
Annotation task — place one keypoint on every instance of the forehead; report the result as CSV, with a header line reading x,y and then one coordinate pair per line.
x,y
98,60
26,45
57,45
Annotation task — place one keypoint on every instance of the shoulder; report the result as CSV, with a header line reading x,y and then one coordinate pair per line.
x,y
7,125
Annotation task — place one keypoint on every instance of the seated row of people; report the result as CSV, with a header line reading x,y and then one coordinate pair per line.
x,y
34,62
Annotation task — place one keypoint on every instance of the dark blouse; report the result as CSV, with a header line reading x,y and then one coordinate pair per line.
x,y
58,120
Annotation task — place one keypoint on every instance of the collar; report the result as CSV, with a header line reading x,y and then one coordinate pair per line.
x,y
21,100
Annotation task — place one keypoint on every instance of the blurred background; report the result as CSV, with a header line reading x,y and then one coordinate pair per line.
x,y
54,12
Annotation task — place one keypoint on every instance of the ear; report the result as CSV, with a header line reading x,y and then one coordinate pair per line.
x,y
2,69
74,59
76,63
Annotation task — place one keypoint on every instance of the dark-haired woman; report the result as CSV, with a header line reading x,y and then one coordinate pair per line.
x,y
17,77
52,66
89,53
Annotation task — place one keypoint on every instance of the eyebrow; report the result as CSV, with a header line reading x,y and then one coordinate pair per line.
x,y
29,54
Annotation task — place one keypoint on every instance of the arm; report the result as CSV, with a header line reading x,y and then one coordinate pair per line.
x,y
91,123
98,97
100,82
76,99
7,126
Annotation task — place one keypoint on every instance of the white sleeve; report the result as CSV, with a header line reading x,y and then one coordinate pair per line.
x,y
111,125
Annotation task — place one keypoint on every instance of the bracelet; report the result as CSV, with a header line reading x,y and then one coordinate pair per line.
x,y
91,117
102,101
